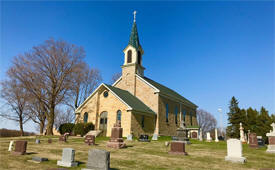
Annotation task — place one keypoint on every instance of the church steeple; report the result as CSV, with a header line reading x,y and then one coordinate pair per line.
x,y
133,52
134,40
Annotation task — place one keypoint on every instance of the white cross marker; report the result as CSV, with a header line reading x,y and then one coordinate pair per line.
x,y
135,12
273,126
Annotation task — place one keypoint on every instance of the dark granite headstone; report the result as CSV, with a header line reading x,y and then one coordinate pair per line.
x,y
194,135
39,159
261,143
20,147
116,140
177,147
144,138
90,139
253,141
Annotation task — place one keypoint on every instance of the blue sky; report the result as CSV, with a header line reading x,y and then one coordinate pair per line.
x,y
206,51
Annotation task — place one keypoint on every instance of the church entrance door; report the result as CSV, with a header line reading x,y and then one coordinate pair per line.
x,y
103,123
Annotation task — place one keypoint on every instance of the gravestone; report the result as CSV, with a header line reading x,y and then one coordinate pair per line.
x,y
49,140
242,133
216,135
20,147
39,159
11,145
201,139
67,158
116,140
130,137
271,140
37,141
177,147
234,151
144,138
208,137
90,139
194,135
62,138
253,141
98,159
182,134
155,137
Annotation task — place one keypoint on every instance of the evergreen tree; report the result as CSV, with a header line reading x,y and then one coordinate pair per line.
x,y
263,123
252,116
233,128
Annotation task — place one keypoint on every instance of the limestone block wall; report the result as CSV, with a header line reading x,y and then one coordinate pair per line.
x,y
91,108
147,95
137,129
112,104
169,129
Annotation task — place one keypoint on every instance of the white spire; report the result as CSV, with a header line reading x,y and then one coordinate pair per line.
x,y
135,12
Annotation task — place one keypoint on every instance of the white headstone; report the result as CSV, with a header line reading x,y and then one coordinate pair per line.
x,y
155,137
201,135
216,135
67,158
130,137
234,151
11,145
208,137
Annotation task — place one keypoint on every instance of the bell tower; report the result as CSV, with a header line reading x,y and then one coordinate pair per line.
x,y
133,54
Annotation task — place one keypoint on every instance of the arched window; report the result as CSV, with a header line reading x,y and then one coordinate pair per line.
x,y
118,115
176,115
85,117
191,119
129,56
142,121
139,57
167,112
184,113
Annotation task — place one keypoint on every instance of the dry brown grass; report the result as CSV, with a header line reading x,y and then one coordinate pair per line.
x,y
153,155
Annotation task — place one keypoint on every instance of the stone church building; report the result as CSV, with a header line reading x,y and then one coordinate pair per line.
x,y
143,105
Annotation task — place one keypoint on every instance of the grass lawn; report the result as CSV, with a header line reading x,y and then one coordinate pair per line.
x,y
138,155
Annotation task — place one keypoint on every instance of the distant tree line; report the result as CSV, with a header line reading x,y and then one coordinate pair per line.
x,y
251,119
46,85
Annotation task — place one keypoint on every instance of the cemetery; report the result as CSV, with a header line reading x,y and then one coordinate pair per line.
x,y
70,117
135,155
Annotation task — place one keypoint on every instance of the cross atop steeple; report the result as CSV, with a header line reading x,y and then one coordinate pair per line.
x,y
135,12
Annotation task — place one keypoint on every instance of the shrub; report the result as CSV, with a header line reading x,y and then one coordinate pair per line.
x,y
66,128
83,128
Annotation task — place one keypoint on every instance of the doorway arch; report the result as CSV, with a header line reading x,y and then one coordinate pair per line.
x,y
103,122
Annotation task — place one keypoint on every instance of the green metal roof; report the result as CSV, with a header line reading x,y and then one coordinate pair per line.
x,y
132,101
134,40
168,92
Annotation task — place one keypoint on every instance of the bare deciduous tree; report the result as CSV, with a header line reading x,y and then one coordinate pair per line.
x,y
37,113
115,77
16,98
85,80
48,70
63,116
206,121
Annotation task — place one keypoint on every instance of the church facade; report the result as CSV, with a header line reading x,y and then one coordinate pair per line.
x,y
142,105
